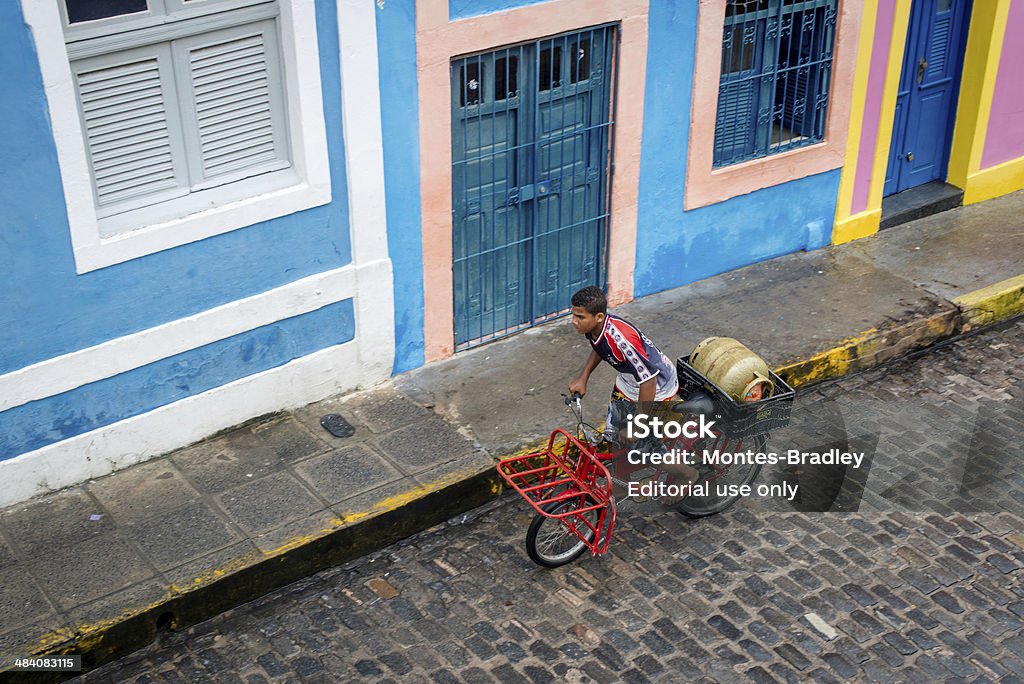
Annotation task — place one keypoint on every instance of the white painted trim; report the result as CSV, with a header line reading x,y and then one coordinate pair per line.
x,y
375,319
364,155
125,443
360,91
69,371
306,129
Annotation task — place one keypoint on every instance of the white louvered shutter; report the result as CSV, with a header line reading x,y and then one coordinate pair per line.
x,y
132,134
236,103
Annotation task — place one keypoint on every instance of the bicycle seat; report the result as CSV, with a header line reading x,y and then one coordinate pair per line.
x,y
699,404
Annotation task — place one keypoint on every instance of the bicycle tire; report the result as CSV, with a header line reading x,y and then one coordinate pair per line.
x,y
745,474
551,530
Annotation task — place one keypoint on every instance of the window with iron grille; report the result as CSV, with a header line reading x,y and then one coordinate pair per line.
x,y
775,74
181,104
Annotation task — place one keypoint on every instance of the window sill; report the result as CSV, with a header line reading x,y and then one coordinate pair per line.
x,y
289,196
184,207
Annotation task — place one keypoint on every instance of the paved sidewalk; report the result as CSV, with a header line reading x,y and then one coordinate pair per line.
x,y
98,569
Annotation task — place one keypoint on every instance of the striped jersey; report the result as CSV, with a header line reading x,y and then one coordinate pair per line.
x,y
635,358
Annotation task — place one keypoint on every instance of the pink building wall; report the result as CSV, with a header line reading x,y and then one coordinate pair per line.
x,y
1005,138
873,105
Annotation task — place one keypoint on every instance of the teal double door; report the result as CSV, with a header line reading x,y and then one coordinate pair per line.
x,y
531,167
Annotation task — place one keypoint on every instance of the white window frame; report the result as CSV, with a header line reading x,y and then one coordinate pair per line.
x,y
306,131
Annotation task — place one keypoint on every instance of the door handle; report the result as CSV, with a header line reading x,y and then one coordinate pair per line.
x,y
922,66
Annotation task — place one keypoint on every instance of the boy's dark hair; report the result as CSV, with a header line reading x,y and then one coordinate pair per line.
x,y
592,299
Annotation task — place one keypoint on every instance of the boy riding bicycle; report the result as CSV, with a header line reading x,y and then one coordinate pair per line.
x,y
645,374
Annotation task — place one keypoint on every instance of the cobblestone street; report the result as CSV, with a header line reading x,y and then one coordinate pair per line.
x,y
919,582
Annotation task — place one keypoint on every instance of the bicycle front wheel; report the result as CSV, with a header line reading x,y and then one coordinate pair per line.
x,y
551,544
721,478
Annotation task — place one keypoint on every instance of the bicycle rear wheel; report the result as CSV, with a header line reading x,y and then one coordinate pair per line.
x,y
715,475
550,543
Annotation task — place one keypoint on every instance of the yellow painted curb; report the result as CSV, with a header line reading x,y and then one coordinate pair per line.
x,y
992,304
870,348
986,306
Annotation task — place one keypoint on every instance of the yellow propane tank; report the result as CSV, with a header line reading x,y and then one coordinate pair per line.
x,y
709,349
732,366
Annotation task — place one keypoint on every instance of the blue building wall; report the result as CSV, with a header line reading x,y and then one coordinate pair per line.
x,y
46,309
676,247
460,9
39,423
396,49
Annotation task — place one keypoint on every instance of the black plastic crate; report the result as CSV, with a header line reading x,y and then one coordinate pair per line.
x,y
740,419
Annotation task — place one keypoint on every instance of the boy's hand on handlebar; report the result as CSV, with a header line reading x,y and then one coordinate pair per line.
x,y
577,386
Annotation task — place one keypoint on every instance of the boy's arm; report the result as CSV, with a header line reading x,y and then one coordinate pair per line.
x,y
648,390
578,385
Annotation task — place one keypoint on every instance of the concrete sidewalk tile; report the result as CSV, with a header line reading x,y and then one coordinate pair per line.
x,y
188,532
268,503
226,461
788,308
297,532
516,420
7,557
346,472
289,440
26,639
120,604
79,573
21,600
456,470
992,304
420,445
386,410
55,521
212,566
510,389
379,500
146,490
309,416
951,253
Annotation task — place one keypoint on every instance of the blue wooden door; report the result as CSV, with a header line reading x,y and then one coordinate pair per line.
x,y
926,99
491,236
571,154
531,136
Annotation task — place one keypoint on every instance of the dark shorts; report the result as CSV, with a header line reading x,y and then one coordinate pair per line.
x,y
619,409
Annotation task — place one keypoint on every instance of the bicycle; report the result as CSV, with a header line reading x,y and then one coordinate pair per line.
x,y
572,487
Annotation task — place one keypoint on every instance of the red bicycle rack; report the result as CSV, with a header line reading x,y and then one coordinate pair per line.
x,y
567,473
